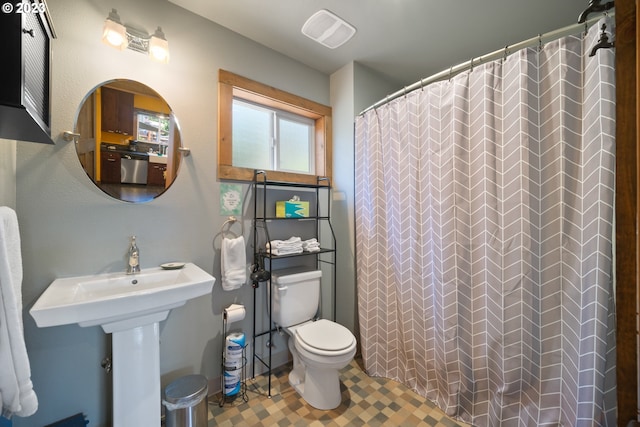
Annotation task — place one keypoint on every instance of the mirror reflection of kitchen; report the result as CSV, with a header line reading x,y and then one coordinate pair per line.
x,y
129,141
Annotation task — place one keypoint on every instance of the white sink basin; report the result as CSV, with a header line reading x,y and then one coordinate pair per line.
x,y
156,158
129,307
117,300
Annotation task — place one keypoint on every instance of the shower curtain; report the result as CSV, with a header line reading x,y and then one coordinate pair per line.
x,y
484,224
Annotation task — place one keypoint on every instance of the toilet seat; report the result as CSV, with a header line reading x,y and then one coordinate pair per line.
x,y
326,338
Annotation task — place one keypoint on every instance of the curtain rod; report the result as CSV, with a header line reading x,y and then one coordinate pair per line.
x,y
538,40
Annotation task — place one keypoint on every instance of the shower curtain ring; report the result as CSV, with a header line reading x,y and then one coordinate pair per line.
x,y
506,52
450,72
421,84
540,42
471,66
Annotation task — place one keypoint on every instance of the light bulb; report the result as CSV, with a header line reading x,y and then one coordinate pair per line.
x,y
159,47
114,39
114,33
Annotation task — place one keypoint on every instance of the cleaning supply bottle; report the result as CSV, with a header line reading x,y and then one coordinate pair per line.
x,y
133,265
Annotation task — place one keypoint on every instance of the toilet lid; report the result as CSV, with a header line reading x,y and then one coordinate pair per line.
x,y
325,335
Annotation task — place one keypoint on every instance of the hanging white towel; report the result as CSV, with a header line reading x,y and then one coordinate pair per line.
x,y
16,389
233,264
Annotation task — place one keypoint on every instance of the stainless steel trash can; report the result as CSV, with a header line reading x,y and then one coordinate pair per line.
x,y
185,400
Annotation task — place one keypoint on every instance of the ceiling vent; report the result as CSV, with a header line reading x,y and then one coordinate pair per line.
x,y
328,29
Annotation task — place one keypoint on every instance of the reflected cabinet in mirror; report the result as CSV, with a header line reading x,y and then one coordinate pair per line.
x,y
129,140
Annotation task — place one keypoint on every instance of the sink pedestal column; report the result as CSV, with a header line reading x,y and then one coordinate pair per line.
x,y
136,376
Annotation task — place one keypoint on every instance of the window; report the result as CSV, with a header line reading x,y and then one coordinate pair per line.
x,y
260,127
152,127
271,139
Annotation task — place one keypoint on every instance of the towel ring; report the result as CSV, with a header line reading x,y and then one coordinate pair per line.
x,y
231,220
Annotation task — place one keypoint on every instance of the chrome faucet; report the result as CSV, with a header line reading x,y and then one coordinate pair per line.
x,y
133,265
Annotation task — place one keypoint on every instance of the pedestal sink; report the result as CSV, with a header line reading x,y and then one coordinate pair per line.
x,y
130,308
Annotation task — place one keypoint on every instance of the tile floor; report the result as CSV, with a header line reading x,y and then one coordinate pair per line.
x,y
366,401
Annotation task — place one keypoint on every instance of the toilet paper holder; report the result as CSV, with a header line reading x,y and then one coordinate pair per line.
x,y
234,313
231,314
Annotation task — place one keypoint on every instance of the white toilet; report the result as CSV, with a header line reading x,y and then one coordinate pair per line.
x,y
319,348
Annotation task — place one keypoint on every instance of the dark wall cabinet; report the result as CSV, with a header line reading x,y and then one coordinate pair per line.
x,y
117,111
25,72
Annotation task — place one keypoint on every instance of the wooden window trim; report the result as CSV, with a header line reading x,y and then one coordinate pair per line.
x,y
627,206
232,85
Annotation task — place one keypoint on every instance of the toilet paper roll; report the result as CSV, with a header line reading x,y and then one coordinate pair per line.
x,y
233,350
232,382
233,361
235,340
232,364
234,313
234,344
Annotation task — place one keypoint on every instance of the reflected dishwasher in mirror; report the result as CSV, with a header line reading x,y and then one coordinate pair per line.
x,y
129,143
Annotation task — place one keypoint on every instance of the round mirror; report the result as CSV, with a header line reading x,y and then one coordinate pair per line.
x,y
129,140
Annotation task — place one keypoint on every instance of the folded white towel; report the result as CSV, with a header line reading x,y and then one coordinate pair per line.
x,y
16,389
285,251
292,245
311,245
233,263
292,242
293,239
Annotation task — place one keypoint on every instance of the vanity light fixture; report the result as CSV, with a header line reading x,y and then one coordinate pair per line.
x,y
122,37
114,33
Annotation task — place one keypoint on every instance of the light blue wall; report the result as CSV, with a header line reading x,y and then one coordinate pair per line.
x,y
8,173
353,88
69,227
342,205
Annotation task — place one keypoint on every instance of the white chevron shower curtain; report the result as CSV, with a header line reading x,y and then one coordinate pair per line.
x,y
484,223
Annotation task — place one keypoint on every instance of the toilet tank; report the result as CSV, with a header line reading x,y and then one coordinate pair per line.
x,y
296,295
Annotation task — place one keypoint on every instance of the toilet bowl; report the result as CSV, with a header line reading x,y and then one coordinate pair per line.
x,y
319,350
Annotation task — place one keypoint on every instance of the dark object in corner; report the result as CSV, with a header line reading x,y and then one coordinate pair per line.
x,y
594,6
25,75
76,420
603,42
